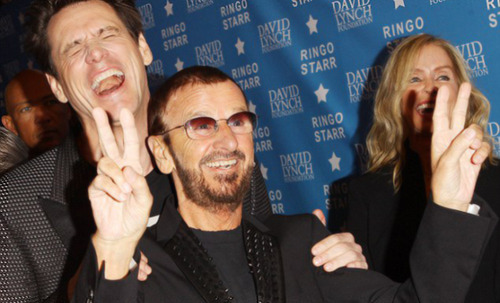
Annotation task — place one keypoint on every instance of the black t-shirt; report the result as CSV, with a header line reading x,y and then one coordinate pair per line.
x,y
228,252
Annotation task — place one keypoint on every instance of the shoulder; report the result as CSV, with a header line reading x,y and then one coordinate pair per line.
x,y
296,226
381,177
35,175
371,186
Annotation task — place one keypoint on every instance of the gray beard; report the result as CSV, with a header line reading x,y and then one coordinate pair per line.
x,y
228,197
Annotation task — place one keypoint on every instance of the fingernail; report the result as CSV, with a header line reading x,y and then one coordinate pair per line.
x,y
328,267
317,261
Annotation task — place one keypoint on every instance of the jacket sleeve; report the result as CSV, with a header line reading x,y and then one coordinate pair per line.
x,y
443,262
92,287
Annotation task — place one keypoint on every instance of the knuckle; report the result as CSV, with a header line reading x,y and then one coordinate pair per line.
x,y
349,237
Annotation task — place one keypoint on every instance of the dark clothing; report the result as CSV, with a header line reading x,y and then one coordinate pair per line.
x,y
46,220
228,252
385,223
278,253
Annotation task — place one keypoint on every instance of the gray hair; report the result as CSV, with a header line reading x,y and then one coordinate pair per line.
x,y
13,150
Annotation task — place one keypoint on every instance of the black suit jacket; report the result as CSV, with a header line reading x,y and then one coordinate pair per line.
x,y
385,224
182,277
45,217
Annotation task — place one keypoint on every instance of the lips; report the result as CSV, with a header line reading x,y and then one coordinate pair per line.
x,y
108,81
47,134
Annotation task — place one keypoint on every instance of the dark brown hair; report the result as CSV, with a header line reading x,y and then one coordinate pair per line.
x,y
189,76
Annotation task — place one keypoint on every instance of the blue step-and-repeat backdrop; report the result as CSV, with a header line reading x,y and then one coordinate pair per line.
x,y
309,68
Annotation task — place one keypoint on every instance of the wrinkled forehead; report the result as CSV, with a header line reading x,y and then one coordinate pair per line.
x,y
207,99
78,21
28,88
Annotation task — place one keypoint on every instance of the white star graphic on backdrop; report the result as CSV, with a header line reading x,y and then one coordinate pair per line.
x,y
263,171
240,46
312,24
21,18
321,93
252,107
169,8
335,162
179,65
398,3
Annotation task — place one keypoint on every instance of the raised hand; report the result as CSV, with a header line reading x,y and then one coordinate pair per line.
x,y
119,195
456,153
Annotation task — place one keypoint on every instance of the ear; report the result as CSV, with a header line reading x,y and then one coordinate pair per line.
x,y
9,124
147,55
56,88
161,153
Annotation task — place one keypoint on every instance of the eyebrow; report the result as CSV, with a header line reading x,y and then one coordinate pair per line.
x,y
48,96
100,32
437,68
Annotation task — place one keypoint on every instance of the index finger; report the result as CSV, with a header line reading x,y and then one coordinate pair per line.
x,y
440,120
106,137
460,110
330,241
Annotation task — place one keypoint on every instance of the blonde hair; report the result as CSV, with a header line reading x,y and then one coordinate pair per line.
x,y
385,141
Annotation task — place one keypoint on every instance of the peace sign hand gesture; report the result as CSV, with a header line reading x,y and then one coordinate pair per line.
x,y
119,195
456,153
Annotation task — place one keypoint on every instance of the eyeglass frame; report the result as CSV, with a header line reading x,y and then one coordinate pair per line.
x,y
216,126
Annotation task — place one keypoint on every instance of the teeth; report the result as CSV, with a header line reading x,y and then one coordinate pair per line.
x,y
225,164
425,106
104,75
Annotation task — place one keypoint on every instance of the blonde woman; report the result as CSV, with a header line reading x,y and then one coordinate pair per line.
x,y
387,203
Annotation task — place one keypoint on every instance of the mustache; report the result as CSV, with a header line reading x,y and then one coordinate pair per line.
x,y
219,155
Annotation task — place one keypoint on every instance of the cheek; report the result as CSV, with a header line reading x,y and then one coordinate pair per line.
x,y
27,131
408,101
191,152
246,146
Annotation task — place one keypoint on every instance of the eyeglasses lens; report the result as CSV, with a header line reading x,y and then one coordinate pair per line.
x,y
202,127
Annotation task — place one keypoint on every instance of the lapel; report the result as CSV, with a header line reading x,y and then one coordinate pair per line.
x,y
67,208
192,259
264,260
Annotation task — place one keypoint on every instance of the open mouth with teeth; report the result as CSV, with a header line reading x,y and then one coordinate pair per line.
x,y
426,108
226,164
107,82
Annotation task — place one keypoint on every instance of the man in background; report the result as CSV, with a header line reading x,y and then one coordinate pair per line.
x,y
33,112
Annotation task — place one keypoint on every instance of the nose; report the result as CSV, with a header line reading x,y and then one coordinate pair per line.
x,y
95,53
42,115
430,87
225,138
